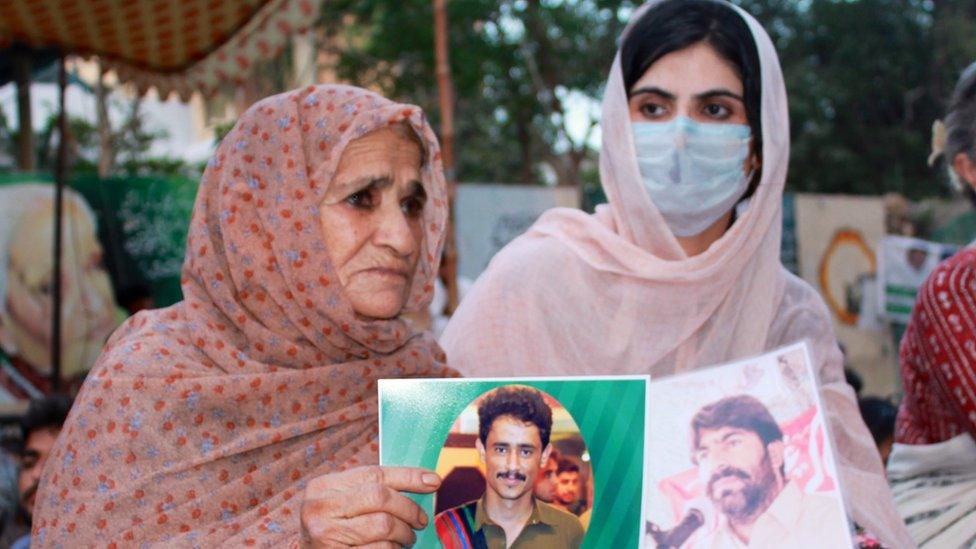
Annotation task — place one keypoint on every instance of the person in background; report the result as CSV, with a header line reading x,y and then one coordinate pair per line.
x,y
11,525
587,515
568,486
40,428
932,466
879,415
854,380
136,297
545,482
681,269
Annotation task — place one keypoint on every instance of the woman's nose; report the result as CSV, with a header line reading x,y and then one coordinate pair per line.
x,y
394,230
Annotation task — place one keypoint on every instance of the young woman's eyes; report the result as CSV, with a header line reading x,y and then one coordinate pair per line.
x,y
717,111
652,110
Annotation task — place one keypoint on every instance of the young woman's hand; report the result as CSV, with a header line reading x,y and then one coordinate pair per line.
x,y
364,507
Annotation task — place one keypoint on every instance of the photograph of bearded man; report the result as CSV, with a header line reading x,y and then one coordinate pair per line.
x,y
738,449
514,425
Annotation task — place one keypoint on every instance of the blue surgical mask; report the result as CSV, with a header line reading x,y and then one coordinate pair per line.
x,y
692,171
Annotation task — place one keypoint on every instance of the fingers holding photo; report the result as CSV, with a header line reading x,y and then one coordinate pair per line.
x,y
364,507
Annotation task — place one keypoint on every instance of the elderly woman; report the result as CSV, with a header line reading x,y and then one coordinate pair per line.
x,y
932,468
243,414
681,269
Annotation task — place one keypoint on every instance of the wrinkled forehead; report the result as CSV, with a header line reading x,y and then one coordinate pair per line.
x,y
388,153
332,118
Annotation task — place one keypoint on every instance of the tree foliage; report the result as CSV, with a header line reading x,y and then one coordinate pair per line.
x,y
513,65
866,79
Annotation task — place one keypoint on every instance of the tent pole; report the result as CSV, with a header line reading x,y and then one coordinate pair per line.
x,y
25,136
60,170
446,90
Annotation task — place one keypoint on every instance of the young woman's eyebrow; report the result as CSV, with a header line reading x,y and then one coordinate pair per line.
x,y
718,92
654,90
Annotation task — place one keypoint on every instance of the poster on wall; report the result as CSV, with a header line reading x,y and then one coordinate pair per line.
x,y
837,239
88,312
905,263
489,216
741,457
142,225
568,450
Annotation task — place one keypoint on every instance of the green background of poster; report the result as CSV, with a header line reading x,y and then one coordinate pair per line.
x,y
142,226
416,416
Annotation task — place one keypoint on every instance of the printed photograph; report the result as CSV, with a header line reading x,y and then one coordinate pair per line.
x,y
740,457
515,444
88,307
523,462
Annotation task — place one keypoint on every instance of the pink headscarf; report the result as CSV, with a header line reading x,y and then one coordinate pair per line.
x,y
201,423
614,293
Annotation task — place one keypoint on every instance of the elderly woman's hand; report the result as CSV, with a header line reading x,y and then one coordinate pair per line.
x,y
364,506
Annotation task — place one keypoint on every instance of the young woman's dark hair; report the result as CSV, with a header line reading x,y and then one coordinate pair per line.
x,y
960,122
674,25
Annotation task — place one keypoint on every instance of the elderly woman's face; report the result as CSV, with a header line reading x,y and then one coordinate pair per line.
x,y
372,221
694,82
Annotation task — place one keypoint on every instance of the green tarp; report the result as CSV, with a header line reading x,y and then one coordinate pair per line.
x,y
142,224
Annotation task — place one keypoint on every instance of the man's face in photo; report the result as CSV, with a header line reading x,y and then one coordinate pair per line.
x,y
545,482
568,487
738,470
512,454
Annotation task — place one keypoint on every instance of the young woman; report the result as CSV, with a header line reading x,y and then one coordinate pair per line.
x,y
933,463
241,415
681,269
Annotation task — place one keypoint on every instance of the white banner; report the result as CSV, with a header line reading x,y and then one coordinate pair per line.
x,y
489,216
904,264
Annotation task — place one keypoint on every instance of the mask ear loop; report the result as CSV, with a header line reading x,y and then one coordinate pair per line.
x,y
742,206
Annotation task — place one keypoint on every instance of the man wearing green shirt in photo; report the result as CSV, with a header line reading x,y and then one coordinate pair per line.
x,y
514,424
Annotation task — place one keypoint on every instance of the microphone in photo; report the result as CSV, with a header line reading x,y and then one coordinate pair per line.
x,y
675,537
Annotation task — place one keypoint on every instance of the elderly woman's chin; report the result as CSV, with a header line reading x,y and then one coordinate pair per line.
x,y
378,295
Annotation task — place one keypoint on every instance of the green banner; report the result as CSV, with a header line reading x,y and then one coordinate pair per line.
x,y
142,226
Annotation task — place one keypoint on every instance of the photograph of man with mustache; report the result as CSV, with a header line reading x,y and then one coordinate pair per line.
x,y
738,448
514,424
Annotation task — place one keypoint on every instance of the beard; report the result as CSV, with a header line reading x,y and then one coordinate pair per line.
x,y
752,499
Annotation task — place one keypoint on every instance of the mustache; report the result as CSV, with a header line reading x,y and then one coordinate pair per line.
x,y
724,473
511,474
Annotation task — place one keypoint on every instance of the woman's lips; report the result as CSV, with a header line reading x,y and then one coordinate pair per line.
x,y
386,272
